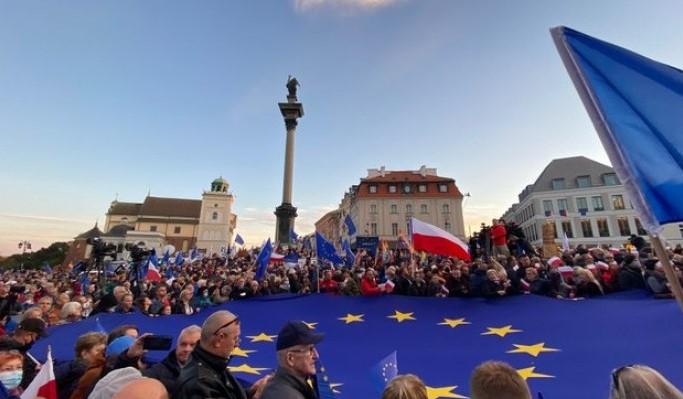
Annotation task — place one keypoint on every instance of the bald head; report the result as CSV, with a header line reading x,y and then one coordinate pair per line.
x,y
214,322
142,388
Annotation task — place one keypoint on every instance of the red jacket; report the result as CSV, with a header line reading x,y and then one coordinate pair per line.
x,y
330,286
368,287
499,235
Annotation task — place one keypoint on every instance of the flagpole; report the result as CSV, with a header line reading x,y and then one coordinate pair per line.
x,y
668,269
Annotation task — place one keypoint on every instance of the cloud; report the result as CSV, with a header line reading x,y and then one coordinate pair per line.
x,y
343,5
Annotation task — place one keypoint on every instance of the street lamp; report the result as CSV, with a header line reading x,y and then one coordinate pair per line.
x,y
23,246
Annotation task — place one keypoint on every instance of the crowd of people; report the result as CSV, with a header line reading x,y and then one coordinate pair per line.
x,y
32,300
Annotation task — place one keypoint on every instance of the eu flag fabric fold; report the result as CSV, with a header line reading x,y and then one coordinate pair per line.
x,y
350,227
238,239
349,257
384,371
635,104
263,259
326,250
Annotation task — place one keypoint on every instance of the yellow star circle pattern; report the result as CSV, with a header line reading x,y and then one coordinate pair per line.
x,y
352,318
500,331
262,337
454,322
529,373
400,316
533,350
247,369
443,392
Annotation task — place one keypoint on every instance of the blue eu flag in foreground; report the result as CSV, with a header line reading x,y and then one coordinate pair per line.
x,y
384,371
635,104
263,259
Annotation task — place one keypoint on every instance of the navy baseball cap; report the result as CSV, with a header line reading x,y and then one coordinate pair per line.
x,y
297,333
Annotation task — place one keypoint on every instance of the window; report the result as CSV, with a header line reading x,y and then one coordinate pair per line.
x,y
394,229
567,229
394,208
443,188
447,226
548,207
176,230
444,208
373,209
586,228
603,228
152,228
406,188
373,229
597,203
392,188
409,209
582,204
562,206
583,181
610,179
373,189
422,188
624,228
558,184
618,202
680,228
639,227
214,216
423,208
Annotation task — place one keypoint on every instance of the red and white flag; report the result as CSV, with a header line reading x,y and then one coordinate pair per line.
x,y
433,240
44,384
153,272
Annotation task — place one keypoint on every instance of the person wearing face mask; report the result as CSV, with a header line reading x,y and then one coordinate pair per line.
x,y
11,372
26,333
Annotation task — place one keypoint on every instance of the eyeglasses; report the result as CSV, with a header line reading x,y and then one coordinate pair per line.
x,y
235,320
615,375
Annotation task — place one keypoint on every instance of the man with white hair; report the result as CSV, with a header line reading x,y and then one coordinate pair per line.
x,y
168,370
206,374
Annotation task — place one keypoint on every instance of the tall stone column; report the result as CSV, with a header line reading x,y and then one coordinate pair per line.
x,y
286,212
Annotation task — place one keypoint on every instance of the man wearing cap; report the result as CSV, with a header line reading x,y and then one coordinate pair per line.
x,y
26,333
296,356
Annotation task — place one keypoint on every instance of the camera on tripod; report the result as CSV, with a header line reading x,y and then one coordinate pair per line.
x,y
101,249
137,252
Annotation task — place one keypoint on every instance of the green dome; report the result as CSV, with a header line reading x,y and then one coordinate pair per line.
x,y
220,180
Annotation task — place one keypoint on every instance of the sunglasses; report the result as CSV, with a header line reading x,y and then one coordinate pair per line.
x,y
615,376
235,320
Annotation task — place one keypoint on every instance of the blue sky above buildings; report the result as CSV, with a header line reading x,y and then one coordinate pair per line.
x,y
99,98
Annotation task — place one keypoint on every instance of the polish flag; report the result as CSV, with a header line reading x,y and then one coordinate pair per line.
x,y
153,272
44,384
276,258
433,240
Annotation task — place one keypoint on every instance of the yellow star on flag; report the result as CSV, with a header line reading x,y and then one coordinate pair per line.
x,y
500,331
263,337
533,350
247,369
310,325
443,392
351,318
334,385
400,317
454,322
241,352
529,373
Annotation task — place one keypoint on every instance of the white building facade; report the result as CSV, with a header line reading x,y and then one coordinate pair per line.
x,y
583,199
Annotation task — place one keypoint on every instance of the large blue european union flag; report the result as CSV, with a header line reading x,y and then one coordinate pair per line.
x,y
326,250
636,106
564,349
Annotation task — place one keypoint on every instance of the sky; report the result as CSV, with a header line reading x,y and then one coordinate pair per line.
x,y
115,99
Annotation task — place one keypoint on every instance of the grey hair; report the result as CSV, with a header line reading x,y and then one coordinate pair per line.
x,y
69,308
643,382
193,329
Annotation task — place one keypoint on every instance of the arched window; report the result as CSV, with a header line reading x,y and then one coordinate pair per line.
x,y
214,216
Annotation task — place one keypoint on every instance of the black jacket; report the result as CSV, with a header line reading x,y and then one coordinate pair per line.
x,y
67,375
206,376
284,385
167,371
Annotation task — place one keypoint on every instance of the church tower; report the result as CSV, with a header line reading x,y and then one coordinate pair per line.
x,y
216,221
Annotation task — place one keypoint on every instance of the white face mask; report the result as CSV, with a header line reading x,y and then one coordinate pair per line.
x,y
11,379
